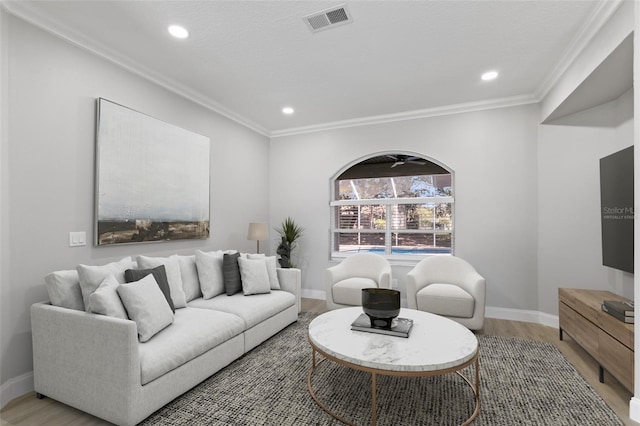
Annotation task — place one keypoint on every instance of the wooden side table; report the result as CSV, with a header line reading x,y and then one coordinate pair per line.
x,y
607,339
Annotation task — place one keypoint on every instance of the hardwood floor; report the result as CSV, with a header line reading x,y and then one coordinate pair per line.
x,y
611,391
30,411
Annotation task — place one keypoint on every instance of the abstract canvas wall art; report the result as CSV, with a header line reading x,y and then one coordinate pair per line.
x,y
152,179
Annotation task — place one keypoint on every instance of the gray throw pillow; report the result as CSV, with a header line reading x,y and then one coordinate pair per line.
x,y
272,269
231,273
255,278
147,306
160,275
64,289
92,276
210,275
190,281
105,300
174,276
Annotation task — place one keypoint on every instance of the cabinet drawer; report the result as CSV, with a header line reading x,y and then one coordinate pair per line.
x,y
567,319
604,337
585,335
616,328
616,358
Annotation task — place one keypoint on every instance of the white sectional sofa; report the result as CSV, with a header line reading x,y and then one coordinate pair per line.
x,y
98,363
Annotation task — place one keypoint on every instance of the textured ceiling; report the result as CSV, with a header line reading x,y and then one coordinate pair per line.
x,y
248,59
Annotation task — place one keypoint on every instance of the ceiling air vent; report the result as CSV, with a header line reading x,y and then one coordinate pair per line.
x,y
328,18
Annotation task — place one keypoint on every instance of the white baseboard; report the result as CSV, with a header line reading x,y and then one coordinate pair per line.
x,y
634,409
13,388
522,315
313,294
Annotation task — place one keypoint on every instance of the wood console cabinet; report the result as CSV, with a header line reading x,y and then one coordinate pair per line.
x,y
605,338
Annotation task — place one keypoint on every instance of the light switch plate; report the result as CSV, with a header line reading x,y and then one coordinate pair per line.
x,y
77,239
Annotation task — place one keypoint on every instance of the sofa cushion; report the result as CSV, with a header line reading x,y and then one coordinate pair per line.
x,y
174,276
92,276
445,299
190,281
146,305
209,266
252,309
272,269
159,274
231,273
194,332
105,300
255,278
348,292
63,288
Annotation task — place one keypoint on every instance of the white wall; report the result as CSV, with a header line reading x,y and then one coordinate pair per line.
x,y
569,253
612,33
493,156
48,168
4,167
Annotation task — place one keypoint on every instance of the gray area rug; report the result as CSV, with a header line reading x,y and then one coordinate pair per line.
x,y
522,383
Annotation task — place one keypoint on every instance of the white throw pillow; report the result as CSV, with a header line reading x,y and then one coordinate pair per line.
x,y
105,300
255,278
190,280
209,266
272,266
92,276
64,289
147,306
174,276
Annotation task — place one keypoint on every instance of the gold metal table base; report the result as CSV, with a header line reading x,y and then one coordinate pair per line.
x,y
374,373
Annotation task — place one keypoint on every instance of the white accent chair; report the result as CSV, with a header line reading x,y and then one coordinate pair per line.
x,y
344,282
448,286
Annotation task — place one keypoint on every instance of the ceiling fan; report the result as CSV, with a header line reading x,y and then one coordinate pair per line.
x,y
404,159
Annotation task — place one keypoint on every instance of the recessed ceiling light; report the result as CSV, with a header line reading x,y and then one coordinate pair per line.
x,y
287,110
178,32
489,75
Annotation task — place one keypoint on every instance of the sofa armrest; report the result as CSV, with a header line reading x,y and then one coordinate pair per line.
x,y
85,360
291,280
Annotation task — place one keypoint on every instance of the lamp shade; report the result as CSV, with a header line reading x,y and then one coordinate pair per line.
x,y
258,231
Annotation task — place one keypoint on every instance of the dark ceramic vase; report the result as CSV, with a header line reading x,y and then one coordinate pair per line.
x,y
381,306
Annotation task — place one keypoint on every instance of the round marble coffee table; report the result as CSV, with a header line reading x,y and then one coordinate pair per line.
x,y
435,346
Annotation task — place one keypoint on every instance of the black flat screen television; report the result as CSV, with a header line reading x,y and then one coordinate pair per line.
x,y
616,199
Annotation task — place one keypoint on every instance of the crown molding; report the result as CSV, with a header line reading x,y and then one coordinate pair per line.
x,y
596,21
411,115
585,35
26,12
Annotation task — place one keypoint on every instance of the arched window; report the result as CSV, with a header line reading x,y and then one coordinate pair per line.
x,y
397,205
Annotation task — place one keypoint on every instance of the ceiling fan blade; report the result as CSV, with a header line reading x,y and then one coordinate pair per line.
x,y
421,163
397,163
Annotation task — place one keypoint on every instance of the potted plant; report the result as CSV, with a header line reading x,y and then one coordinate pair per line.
x,y
289,232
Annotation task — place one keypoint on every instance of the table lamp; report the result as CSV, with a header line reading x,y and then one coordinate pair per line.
x,y
258,231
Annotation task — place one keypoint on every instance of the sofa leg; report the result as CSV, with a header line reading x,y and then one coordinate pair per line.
x,y
40,396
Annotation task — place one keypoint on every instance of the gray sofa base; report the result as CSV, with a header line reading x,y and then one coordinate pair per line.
x,y
169,386
148,398
113,391
268,328
92,362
